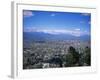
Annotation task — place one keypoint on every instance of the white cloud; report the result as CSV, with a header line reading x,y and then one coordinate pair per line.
x,y
28,13
53,14
77,29
82,22
85,14
75,32
30,29
89,22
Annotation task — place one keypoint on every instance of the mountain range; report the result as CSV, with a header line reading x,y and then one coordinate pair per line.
x,y
41,36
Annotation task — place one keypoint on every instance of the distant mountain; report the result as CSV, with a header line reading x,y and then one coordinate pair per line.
x,y
41,36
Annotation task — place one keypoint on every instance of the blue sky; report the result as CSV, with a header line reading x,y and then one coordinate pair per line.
x,y
76,24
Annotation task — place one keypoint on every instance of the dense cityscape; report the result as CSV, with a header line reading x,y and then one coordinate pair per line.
x,y
55,54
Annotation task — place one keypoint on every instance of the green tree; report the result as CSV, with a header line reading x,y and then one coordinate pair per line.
x,y
72,58
69,60
85,57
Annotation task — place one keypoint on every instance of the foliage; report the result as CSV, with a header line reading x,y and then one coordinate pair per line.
x,y
72,58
